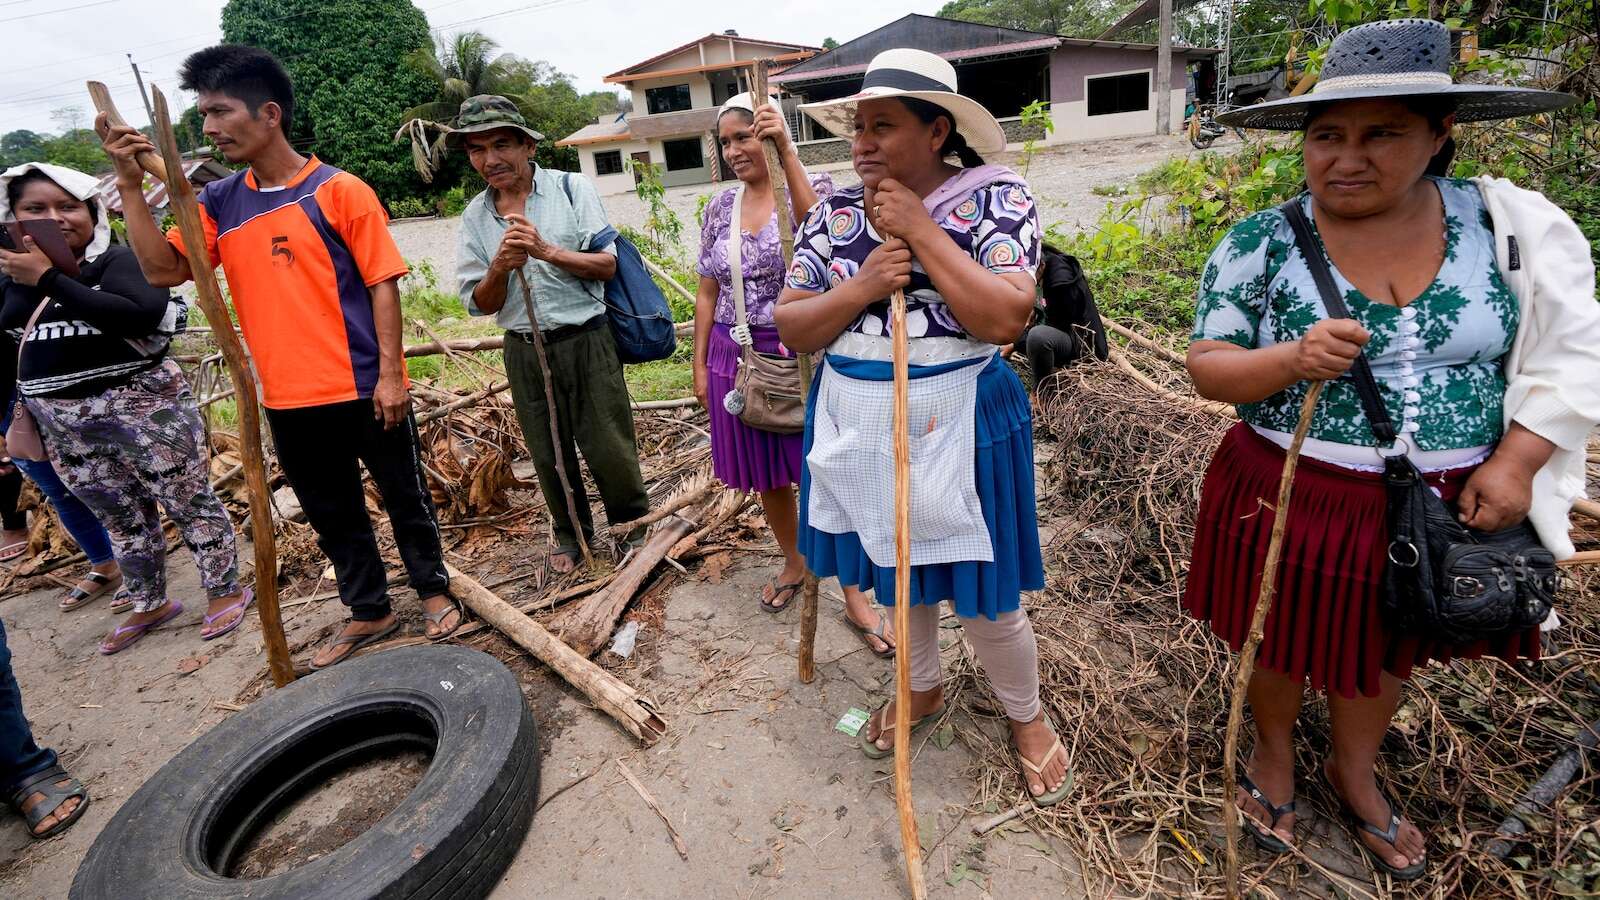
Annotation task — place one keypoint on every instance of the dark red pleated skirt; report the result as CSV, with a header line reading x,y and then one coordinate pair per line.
x,y
1325,624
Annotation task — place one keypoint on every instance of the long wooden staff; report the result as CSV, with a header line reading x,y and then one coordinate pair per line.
x,y
1252,641
168,167
555,428
780,200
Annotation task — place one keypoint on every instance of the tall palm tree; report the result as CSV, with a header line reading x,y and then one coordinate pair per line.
x,y
463,66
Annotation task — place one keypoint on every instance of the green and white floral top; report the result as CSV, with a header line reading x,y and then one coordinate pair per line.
x,y
1438,361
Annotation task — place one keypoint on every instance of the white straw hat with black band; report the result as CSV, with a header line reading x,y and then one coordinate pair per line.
x,y
1398,59
925,76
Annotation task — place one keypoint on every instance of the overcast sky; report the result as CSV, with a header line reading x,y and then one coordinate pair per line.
x,y
51,47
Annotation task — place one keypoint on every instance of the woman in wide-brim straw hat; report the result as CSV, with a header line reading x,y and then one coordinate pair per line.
x,y
963,241
1473,302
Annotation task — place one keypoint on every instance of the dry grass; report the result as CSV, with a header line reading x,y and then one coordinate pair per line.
x,y
1138,691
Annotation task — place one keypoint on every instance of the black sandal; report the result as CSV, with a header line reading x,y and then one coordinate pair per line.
x,y
771,604
1388,836
78,596
54,795
356,642
1266,840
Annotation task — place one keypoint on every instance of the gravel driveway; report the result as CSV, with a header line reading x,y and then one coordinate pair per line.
x,y
1063,178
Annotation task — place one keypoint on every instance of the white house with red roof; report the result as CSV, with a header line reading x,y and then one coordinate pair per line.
x,y
676,95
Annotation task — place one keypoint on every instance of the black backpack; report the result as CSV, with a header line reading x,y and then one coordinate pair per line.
x,y
1068,302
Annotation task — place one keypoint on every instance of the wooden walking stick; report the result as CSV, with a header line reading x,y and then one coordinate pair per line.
x,y
780,201
168,167
555,428
902,597
1252,641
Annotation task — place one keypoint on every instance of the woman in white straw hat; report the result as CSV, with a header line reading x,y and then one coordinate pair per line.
x,y
963,241
743,457
1473,305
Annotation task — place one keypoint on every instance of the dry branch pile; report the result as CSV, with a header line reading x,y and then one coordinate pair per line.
x,y
1139,691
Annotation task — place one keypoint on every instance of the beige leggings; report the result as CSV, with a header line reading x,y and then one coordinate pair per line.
x,y
1006,649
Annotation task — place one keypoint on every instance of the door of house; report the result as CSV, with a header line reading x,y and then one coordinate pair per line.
x,y
642,158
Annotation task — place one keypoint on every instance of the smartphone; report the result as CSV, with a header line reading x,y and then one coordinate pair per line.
x,y
47,234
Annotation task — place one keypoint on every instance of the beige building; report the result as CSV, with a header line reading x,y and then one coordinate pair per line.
x,y
675,96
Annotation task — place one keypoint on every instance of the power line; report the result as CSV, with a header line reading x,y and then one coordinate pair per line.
x,y
51,12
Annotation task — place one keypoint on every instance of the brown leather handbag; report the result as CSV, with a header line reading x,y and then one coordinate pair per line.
x,y
766,390
23,440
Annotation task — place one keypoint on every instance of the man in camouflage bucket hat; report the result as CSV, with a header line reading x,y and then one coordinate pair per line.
x,y
488,112
541,223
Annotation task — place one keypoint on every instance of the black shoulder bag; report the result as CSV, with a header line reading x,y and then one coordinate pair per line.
x,y
1442,578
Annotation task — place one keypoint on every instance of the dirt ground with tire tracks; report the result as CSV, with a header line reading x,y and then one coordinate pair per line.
x,y
770,801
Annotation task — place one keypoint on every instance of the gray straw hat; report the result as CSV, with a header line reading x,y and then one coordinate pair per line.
x,y
1397,59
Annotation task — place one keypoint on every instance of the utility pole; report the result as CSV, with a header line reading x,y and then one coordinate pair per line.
x,y
142,95
1164,70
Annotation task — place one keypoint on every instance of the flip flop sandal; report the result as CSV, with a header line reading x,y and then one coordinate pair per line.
x,y
1388,835
356,642
1265,839
174,608
245,598
54,795
778,590
78,596
870,748
121,603
1048,798
438,619
13,550
879,631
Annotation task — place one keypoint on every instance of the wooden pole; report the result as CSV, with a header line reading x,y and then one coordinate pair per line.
x,y
781,203
1252,642
555,428
169,168
909,841
636,714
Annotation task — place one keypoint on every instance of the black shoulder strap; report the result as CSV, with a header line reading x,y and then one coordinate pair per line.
x,y
1366,386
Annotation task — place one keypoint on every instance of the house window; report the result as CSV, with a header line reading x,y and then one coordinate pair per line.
x,y
608,162
1119,94
671,98
683,154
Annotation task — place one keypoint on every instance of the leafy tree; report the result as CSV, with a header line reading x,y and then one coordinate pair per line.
x,y
1077,18
343,56
20,146
77,149
830,43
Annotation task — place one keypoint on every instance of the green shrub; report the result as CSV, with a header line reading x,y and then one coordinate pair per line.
x,y
453,202
408,208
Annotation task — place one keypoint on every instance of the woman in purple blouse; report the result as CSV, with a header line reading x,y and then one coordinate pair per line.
x,y
745,458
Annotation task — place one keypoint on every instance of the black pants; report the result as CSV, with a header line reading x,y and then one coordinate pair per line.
x,y
1050,349
10,493
321,449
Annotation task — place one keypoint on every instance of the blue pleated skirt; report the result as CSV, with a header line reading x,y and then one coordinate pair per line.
x,y
1003,474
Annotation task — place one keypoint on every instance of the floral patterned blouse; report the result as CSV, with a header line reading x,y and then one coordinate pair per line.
x,y
1438,361
761,257
998,225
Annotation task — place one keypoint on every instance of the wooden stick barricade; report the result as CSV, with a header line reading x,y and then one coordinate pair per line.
x,y
636,714
1252,642
169,168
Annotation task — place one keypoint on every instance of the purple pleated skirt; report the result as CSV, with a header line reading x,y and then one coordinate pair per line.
x,y
745,458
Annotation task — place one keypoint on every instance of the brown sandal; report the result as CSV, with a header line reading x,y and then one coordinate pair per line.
x,y
356,642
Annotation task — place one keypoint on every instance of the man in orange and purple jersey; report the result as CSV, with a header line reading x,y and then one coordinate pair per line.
x,y
314,275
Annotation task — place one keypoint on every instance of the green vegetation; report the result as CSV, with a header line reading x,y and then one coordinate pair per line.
x,y
1037,114
669,379
1080,18
349,90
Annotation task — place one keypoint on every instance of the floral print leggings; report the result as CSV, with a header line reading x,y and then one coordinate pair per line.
x,y
125,449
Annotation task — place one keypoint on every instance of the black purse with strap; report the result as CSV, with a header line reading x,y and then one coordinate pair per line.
x,y
1441,578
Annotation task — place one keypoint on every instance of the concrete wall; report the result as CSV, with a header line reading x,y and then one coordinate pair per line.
x,y
621,183
1070,70
699,91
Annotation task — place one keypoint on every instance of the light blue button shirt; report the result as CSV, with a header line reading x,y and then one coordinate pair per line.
x,y
559,297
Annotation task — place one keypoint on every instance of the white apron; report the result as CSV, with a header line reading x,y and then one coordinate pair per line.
x,y
852,466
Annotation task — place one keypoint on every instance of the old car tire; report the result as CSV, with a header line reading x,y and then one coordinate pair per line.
x,y
451,837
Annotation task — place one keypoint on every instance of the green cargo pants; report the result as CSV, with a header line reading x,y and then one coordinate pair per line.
x,y
594,415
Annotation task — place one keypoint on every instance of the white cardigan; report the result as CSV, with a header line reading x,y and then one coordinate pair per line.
x,y
1553,369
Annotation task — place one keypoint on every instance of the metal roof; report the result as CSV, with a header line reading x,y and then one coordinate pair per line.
x,y
198,171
